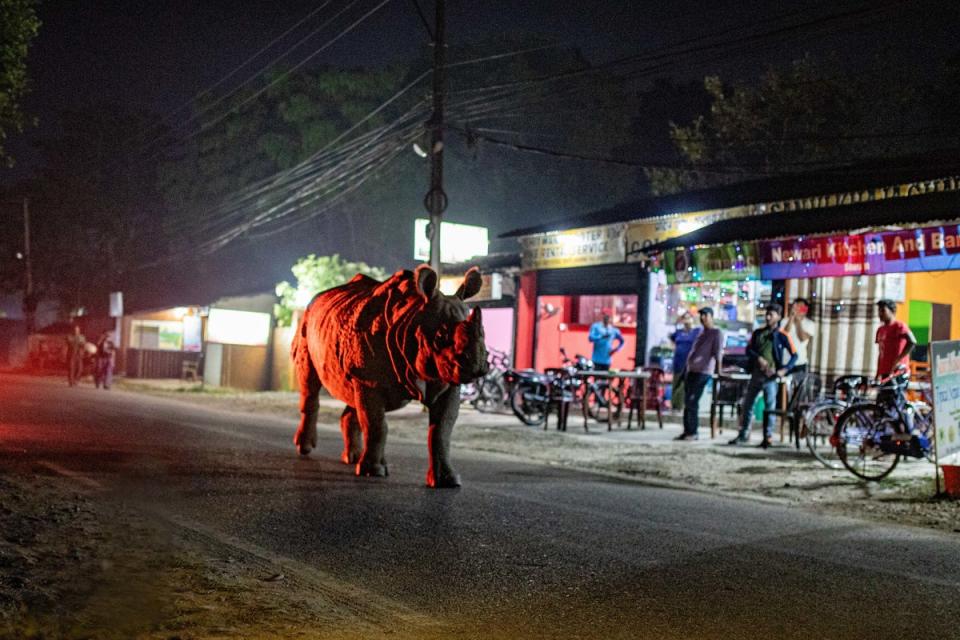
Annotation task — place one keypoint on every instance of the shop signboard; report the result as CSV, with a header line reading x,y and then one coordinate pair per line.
x,y
927,249
712,264
945,357
574,248
644,233
817,257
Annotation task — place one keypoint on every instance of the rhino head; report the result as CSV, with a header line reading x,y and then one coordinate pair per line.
x,y
449,335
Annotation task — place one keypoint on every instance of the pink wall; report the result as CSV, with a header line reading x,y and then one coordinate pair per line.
x,y
498,328
574,339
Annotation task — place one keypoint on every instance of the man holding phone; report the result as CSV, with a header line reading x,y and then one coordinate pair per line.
x,y
801,329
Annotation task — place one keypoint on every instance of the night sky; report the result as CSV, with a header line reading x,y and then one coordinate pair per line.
x,y
158,54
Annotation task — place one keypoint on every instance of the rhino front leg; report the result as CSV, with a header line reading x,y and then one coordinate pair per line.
x,y
443,415
352,436
309,383
373,423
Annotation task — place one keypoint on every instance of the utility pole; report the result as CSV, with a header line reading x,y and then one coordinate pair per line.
x,y
436,199
29,306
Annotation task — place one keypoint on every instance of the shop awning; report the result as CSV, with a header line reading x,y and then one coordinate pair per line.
x,y
856,176
843,219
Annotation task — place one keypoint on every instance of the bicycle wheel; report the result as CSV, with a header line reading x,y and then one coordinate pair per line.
x,y
819,423
490,398
529,403
861,430
598,397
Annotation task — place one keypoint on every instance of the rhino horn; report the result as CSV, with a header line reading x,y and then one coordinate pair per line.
x,y
475,319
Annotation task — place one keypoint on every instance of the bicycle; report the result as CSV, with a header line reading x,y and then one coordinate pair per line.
x,y
820,419
871,437
492,389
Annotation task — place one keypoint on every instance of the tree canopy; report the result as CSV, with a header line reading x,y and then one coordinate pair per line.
x,y
792,119
18,27
315,274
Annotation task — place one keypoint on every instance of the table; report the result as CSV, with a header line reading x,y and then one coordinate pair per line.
x,y
620,377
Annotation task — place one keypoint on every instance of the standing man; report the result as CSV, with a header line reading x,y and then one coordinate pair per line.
x,y
76,347
801,329
768,346
106,358
602,334
683,339
703,360
896,341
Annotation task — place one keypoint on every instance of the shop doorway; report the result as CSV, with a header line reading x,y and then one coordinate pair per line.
x,y
564,322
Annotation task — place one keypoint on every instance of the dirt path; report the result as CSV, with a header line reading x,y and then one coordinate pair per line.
x,y
81,565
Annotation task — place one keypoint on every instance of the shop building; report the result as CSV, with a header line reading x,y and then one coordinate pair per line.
x,y
574,268
905,249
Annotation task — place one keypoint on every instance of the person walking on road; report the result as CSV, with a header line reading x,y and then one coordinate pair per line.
x,y
603,334
768,346
703,360
106,358
76,348
683,339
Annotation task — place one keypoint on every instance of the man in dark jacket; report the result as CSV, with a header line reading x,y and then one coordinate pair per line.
x,y
770,355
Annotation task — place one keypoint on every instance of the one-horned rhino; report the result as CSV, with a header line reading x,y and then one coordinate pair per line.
x,y
378,345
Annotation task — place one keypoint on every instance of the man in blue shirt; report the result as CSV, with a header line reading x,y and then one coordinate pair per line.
x,y
602,335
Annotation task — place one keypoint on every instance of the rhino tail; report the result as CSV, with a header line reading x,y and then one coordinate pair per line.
x,y
299,338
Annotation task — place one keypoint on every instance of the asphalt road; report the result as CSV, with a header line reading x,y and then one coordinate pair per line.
x,y
519,551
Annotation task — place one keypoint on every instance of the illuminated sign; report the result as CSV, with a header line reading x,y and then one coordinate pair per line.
x,y
574,248
458,242
491,289
645,233
712,264
812,257
945,357
227,326
927,249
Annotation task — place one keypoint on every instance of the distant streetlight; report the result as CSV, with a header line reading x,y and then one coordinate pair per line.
x,y
417,149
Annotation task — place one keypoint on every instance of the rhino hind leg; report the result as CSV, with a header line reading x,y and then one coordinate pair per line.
x,y
309,383
373,423
443,415
352,436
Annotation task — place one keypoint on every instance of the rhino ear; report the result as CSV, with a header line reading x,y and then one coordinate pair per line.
x,y
426,279
471,284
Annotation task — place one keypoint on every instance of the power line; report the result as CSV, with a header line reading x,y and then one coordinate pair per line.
x,y
236,107
209,89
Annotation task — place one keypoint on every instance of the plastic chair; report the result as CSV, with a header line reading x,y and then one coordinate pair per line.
x,y
655,387
727,392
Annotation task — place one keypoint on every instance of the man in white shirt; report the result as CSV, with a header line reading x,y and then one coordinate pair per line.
x,y
801,329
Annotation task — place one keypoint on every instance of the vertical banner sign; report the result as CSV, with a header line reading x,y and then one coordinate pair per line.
x,y
712,264
945,357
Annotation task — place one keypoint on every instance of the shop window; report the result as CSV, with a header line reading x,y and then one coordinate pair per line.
x,y
156,334
590,309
